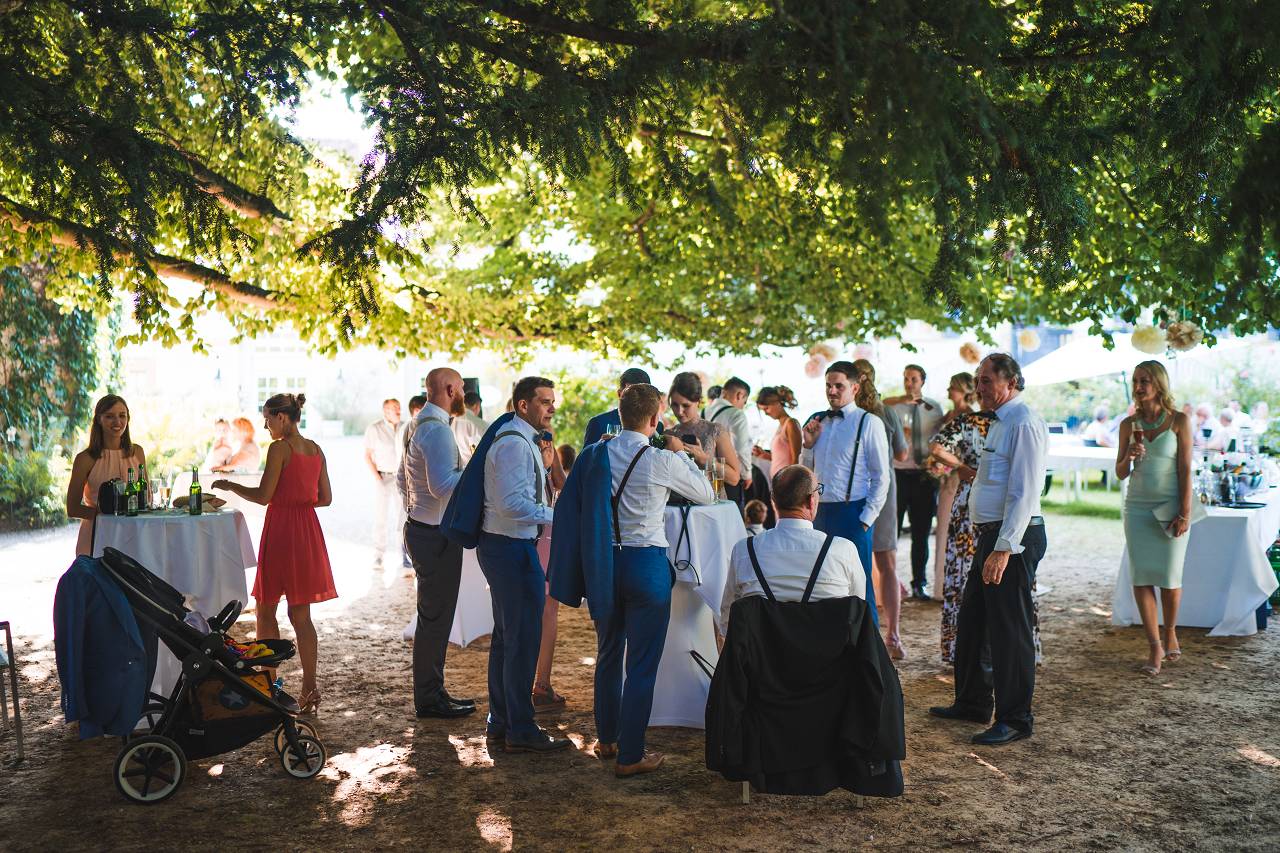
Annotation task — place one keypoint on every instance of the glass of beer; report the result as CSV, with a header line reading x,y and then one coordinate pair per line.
x,y
715,471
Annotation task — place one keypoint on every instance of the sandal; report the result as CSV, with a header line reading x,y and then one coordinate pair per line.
x,y
1173,655
311,703
896,651
546,700
1154,669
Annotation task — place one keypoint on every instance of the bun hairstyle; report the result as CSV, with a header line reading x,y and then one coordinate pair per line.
x,y
687,385
867,398
964,382
776,394
285,404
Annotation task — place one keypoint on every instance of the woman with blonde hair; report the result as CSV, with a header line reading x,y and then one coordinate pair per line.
x,y
110,455
884,532
293,562
784,449
1155,455
247,455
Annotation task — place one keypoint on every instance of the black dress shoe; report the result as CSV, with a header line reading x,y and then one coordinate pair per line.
x,y
1000,733
466,703
541,742
918,593
951,712
444,709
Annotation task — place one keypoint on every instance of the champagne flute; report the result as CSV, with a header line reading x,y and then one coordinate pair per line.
x,y
1139,436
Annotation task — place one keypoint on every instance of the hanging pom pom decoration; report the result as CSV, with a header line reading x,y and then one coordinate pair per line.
x,y
1029,340
820,355
1149,339
1183,335
970,353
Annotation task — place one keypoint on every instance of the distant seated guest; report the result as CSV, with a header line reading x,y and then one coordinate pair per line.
x,y
248,455
1206,434
1098,432
1261,415
787,553
567,457
754,514
1228,430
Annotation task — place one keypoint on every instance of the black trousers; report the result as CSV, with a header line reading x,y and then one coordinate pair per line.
x,y
736,494
918,501
1002,613
438,564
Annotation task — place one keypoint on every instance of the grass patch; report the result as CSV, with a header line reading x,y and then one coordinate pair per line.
x,y
1095,501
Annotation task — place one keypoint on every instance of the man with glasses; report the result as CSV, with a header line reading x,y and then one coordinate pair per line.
x,y
787,553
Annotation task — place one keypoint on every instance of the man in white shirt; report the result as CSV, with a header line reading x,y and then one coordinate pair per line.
x,y
473,414
847,448
1206,435
643,477
416,402
727,409
430,470
788,552
921,417
1098,432
515,509
997,607
468,435
382,455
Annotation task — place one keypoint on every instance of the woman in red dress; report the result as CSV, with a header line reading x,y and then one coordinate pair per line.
x,y
292,559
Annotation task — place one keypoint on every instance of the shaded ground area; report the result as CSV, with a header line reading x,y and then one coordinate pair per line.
x,y
1188,760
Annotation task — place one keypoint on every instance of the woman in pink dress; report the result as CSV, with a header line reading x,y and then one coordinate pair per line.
x,y
110,455
784,449
292,559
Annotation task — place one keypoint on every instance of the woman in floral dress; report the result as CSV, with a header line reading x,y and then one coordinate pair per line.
x,y
957,446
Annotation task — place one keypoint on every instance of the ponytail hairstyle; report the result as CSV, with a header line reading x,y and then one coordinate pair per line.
x,y
286,404
776,394
867,398
95,431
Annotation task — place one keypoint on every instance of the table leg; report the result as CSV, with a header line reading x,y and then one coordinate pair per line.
x,y
746,793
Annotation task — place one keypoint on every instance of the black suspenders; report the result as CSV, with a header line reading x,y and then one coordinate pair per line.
x,y
853,463
813,575
617,498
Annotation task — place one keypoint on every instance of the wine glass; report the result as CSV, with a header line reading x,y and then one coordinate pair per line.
x,y
1139,435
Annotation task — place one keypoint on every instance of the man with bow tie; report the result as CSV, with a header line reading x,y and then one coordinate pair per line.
x,y
848,450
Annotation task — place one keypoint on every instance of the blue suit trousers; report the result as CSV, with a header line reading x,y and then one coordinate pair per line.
x,y
843,519
638,627
517,586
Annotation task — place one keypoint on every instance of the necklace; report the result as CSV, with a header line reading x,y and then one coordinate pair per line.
x,y
1149,427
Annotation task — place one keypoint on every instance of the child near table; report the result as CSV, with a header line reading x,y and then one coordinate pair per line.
x,y
292,559
110,455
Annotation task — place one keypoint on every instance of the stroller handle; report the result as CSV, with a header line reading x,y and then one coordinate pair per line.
x,y
225,619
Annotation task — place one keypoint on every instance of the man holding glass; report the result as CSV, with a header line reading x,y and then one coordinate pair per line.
x,y
610,422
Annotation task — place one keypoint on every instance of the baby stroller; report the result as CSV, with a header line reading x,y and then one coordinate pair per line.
x,y
221,702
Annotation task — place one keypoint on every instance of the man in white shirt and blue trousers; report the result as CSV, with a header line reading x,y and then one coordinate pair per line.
x,y
516,506
997,605
848,450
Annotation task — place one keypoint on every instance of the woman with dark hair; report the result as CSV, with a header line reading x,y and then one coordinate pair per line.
x,y
110,455
702,439
784,449
293,561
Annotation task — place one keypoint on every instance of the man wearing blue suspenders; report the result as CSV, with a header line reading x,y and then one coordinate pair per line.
x,y
848,450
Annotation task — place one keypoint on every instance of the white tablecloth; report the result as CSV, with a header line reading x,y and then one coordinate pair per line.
x,y
680,696
1226,577
473,616
1075,459
203,556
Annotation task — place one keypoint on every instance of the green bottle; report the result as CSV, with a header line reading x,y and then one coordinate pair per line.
x,y
193,500
131,495
144,488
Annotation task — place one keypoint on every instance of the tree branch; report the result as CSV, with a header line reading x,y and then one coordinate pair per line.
x,y
637,227
647,129
72,235
232,196
544,20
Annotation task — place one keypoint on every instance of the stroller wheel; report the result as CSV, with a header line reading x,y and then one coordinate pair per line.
x,y
303,727
309,763
149,769
151,714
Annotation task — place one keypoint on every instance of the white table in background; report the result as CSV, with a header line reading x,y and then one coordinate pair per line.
x,y
473,615
1075,459
202,556
702,560
1226,576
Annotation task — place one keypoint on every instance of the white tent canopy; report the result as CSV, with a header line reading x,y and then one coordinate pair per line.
x,y
1084,357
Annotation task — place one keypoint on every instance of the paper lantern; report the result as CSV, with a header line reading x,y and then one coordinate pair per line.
x,y
1029,340
970,353
1183,335
1149,339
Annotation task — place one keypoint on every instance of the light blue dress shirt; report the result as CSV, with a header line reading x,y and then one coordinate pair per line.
x,y
515,484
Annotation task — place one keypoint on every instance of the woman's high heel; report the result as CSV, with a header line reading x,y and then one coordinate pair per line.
x,y
311,703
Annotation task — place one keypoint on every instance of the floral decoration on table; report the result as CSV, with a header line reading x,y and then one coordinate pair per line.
x,y
1149,339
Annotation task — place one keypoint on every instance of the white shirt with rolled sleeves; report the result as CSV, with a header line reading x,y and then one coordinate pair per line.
x,y
380,438
832,454
641,519
515,484
735,420
432,466
1011,473
787,554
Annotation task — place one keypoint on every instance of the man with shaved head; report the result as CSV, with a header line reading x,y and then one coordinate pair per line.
x,y
431,468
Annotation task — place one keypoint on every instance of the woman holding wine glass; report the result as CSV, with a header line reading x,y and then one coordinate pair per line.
x,y
705,441
777,402
1154,454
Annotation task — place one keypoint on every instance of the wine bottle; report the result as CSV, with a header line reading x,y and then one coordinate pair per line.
x,y
131,495
144,487
194,498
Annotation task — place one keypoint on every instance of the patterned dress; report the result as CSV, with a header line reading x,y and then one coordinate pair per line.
x,y
963,436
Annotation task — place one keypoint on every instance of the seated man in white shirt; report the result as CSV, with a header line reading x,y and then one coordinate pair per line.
x,y
787,553
1098,432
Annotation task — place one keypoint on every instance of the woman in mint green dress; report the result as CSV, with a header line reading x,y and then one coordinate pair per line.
x,y
1155,456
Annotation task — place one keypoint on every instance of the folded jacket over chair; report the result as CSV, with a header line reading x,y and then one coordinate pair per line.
x,y
805,699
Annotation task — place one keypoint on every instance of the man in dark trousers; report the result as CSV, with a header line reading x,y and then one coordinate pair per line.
x,y
429,470
997,603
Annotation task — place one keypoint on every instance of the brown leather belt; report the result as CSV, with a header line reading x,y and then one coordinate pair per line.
x,y
985,527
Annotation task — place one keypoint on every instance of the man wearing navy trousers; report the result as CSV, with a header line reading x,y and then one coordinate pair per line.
x,y
515,508
848,450
643,478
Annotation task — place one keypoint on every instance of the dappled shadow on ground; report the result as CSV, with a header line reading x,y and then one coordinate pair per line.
x,y
1187,760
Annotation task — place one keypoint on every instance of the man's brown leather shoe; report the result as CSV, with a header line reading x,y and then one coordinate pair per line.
x,y
604,751
651,762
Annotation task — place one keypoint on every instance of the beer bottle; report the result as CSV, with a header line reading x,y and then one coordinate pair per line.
x,y
193,500
131,494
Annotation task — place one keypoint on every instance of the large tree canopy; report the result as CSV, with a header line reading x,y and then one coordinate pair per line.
x,y
605,172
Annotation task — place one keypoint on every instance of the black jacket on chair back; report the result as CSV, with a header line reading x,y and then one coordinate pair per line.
x,y
805,699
